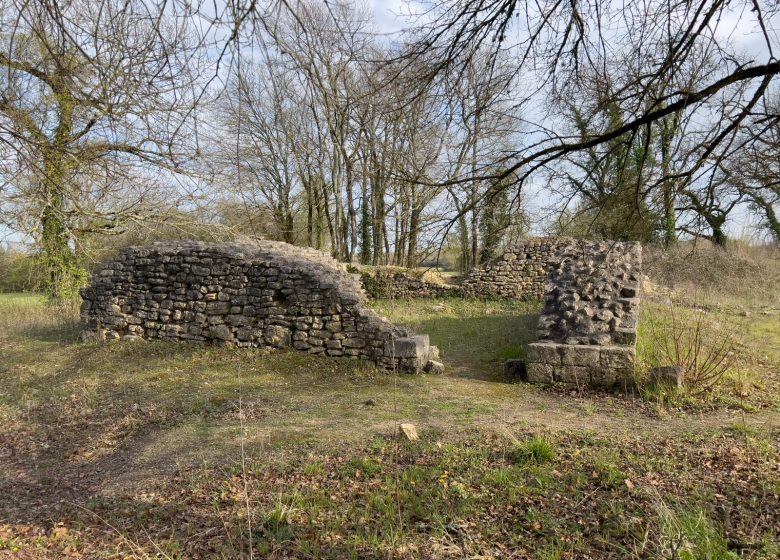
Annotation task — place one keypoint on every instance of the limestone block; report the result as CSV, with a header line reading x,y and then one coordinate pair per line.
x,y
572,375
544,352
276,335
218,308
623,335
220,332
669,375
617,357
539,373
409,347
434,367
580,355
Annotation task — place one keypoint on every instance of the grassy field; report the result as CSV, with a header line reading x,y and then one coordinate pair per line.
x,y
157,450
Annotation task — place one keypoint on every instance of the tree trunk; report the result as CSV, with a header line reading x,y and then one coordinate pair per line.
x,y
414,228
366,242
62,271
670,218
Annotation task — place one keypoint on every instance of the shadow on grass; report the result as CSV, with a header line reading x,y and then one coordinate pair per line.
x,y
67,331
477,347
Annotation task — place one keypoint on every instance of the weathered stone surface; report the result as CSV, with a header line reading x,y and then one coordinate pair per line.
x,y
547,353
572,375
587,356
391,282
520,273
587,330
276,335
411,347
669,375
434,367
539,372
515,370
260,294
618,357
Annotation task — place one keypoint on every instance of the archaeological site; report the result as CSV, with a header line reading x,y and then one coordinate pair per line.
x,y
274,295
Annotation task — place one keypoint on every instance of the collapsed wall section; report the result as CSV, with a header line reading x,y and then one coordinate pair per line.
x,y
587,331
265,294
395,283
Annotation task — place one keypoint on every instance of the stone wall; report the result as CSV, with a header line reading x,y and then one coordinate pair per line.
x,y
400,284
587,331
520,273
266,294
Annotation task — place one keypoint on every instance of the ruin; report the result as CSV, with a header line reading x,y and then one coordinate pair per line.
x,y
587,330
271,294
265,294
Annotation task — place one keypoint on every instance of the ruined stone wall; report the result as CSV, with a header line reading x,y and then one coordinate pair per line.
x,y
399,284
520,273
267,294
587,331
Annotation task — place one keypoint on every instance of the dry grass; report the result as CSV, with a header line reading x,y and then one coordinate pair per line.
x,y
726,303
135,451
741,275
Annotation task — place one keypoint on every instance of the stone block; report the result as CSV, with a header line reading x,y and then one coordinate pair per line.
x,y
276,335
539,373
580,355
544,352
603,377
220,332
617,357
515,370
625,336
218,308
434,367
410,347
572,375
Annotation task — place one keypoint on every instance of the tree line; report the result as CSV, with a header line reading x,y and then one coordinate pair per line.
x,y
124,121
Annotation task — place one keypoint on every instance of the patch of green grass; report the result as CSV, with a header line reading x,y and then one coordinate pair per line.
x,y
537,450
314,468
608,472
362,467
496,330
692,535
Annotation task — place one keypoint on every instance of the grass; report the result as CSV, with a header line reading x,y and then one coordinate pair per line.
x,y
537,450
752,379
135,450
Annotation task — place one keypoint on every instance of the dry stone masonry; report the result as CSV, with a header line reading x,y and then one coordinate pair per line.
x,y
587,331
396,283
265,294
520,273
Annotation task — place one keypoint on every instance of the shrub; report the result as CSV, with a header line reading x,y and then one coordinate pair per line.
x,y
687,337
19,272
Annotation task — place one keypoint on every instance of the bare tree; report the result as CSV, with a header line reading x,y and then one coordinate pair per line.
x,y
94,97
560,47
754,168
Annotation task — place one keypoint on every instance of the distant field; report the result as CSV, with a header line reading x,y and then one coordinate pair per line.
x,y
134,450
